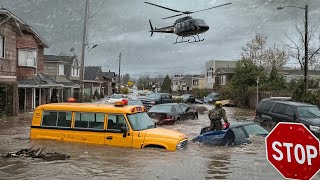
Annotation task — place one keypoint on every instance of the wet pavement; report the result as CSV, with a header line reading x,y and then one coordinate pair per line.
x,y
104,162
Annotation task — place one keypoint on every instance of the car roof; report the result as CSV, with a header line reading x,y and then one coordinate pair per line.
x,y
293,103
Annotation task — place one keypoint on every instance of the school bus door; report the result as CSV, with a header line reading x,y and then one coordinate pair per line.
x,y
114,136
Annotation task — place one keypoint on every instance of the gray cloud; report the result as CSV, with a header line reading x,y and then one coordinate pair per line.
x,y
123,26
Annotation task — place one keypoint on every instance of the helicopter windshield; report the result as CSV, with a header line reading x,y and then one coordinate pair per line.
x,y
199,22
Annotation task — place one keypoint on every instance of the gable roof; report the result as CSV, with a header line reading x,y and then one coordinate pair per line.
x,y
108,75
24,26
91,72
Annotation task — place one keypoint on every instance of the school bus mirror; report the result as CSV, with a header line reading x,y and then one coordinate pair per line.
x,y
124,130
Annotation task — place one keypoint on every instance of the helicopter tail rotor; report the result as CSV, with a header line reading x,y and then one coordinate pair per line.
x,y
151,27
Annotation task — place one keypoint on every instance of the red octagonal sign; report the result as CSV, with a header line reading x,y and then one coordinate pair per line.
x,y
293,150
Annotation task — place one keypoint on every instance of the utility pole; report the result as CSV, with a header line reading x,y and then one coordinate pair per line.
x,y
257,80
306,56
119,79
85,24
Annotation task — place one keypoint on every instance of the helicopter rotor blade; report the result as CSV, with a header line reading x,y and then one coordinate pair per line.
x,y
211,8
163,7
172,16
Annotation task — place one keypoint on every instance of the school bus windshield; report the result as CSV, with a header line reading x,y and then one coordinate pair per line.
x,y
140,121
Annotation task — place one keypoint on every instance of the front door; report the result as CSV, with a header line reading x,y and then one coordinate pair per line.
x,y
114,136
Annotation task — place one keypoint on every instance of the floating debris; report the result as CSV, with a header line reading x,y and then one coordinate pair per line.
x,y
36,153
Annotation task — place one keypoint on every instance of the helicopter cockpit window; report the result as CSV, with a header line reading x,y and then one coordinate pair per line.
x,y
179,25
183,24
187,24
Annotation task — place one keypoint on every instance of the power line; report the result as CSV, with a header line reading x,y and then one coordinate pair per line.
x,y
98,10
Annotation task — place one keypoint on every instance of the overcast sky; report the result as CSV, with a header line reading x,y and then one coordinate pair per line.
x,y
122,26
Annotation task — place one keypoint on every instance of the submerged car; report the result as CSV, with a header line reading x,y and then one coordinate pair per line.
x,y
169,113
211,98
236,134
188,98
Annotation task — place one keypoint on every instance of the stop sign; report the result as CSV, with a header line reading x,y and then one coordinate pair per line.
x,y
293,150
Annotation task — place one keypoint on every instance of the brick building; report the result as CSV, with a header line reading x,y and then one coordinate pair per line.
x,y
22,65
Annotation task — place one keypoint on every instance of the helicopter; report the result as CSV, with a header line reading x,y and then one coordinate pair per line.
x,y
184,27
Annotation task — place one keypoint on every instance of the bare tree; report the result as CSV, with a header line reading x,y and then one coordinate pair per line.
x,y
257,51
296,47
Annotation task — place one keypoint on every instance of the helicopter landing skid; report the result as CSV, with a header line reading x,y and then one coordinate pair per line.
x,y
195,40
188,41
182,41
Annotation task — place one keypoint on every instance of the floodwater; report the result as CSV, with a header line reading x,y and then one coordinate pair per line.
x,y
105,162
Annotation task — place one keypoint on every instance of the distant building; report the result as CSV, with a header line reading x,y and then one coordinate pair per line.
x,y
223,76
110,83
176,82
65,71
93,80
212,66
290,75
198,82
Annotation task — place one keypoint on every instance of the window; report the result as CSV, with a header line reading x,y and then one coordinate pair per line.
x,y
289,111
27,57
56,119
115,122
61,69
183,24
89,120
2,48
183,107
239,134
140,121
279,109
266,106
75,72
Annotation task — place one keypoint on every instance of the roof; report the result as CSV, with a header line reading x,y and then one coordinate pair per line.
x,y
87,107
40,80
224,71
25,26
187,77
53,58
91,72
293,103
108,75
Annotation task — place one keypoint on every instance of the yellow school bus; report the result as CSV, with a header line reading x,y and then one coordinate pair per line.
x,y
115,125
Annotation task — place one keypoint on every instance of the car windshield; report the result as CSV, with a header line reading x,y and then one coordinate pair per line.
x,y
133,102
161,108
140,121
309,112
116,96
254,129
154,96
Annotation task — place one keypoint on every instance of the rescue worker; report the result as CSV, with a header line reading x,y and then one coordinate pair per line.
x,y
215,116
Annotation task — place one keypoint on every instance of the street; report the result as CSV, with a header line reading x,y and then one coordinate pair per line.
x,y
104,162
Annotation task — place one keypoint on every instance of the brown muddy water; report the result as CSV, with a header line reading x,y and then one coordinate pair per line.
x,y
105,162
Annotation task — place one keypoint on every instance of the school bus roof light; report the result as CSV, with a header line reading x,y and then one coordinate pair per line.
x,y
119,103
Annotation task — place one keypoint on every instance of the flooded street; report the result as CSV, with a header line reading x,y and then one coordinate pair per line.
x,y
104,162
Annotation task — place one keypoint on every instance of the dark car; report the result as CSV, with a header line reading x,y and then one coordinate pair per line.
x,y
269,112
188,98
238,133
211,98
172,112
156,98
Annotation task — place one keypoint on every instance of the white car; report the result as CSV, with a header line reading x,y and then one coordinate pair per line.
x,y
116,98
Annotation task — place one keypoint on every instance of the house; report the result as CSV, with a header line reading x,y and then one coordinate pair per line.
x,y
212,66
93,80
176,82
223,76
186,83
65,70
290,75
110,83
23,82
198,82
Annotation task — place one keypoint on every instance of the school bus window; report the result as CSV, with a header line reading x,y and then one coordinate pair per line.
x,y
55,118
115,122
89,120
